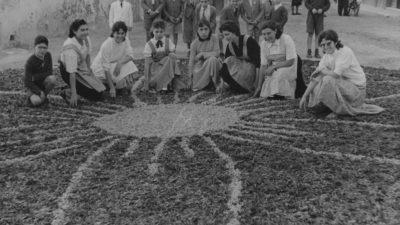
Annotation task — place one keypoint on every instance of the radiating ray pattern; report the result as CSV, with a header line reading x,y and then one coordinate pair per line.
x,y
272,130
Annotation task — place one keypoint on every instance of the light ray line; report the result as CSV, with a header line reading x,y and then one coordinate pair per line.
x,y
132,148
64,139
282,131
153,166
77,110
48,117
189,153
209,101
264,124
176,98
349,156
235,97
31,157
245,102
36,126
381,98
235,186
338,155
60,217
269,135
159,100
77,116
137,101
374,125
387,82
260,116
12,93
194,97
237,138
121,107
263,109
137,84
110,111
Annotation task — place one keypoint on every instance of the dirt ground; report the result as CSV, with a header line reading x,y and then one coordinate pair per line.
x,y
373,35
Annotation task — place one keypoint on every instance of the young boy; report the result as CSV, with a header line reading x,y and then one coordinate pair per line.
x,y
279,14
229,12
152,10
253,12
315,22
38,78
205,11
161,69
173,14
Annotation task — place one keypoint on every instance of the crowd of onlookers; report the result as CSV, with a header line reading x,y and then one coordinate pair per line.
x,y
263,62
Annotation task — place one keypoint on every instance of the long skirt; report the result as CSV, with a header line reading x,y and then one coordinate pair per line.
x,y
242,72
125,79
282,83
206,71
164,72
342,97
81,89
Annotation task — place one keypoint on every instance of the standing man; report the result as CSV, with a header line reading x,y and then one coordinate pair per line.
x,y
253,12
152,10
121,10
343,5
315,22
173,14
279,14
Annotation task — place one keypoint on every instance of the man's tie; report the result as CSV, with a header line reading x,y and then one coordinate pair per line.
x,y
121,4
159,44
204,14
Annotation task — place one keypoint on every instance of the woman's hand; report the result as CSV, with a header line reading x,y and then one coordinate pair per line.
x,y
199,56
172,55
42,96
303,103
270,70
113,92
73,100
117,69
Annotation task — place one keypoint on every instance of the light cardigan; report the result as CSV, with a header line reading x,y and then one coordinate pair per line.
x,y
147,49
110,52
345,64
70,57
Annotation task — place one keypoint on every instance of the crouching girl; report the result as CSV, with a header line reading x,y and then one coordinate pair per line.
x,y
161,68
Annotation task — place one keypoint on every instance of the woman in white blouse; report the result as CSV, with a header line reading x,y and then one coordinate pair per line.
x,y
74,66
278,70
338,85
114,65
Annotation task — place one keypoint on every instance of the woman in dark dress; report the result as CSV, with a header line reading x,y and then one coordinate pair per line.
x,y
242,60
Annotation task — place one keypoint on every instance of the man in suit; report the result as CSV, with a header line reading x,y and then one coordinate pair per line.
x,y
152,10
121,10
253,12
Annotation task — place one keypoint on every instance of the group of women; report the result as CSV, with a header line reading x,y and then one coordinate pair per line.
x,y
268,69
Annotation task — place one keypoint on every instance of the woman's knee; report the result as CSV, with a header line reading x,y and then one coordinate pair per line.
x,y
35,100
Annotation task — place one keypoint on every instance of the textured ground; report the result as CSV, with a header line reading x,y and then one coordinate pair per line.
x,y
274,165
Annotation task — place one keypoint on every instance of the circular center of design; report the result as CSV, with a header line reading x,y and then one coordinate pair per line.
x,y
168,120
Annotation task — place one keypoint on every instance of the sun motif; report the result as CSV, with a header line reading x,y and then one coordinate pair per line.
x,y
187,158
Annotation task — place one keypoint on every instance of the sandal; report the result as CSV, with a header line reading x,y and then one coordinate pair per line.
x,y
64,96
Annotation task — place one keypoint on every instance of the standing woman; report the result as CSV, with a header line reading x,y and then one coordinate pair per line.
x,y
204,64
339,83
189,23
114,65
278,64
74,66
241,66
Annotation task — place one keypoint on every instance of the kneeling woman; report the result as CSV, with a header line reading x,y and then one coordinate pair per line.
x,y
339,83
74,66
242,62
39,79
204,64
113,65
161,69
278,64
